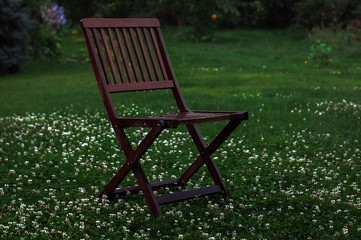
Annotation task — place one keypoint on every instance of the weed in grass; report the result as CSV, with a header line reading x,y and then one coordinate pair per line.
x,y
320,54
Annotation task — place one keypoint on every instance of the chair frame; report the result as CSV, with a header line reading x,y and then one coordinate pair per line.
x,y
130,55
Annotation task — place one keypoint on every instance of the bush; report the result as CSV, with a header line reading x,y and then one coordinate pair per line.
x,y
78,9
15,23
263,13
199,18
320,54
346,42
335,22
49,18
327,14
278,13
251,13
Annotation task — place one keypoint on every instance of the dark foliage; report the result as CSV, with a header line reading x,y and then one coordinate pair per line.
x,y
76,10
278,13
330,14
43,39
14,38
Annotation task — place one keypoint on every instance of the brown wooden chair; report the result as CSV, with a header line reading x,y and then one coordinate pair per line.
x,y
130,55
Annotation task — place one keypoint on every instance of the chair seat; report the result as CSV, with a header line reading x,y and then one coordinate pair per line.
x,y
182,118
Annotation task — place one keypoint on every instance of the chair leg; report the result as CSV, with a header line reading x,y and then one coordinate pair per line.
x,y
206,154
205,157
147,190
132,156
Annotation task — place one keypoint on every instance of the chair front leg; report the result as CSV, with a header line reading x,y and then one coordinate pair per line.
x,y
147,190
132,156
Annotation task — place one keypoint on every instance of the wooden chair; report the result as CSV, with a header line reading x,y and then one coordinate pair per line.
x,y
130,55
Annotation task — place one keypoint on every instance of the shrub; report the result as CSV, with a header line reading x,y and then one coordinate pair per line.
x,y
335,22
201,17
78,9
199,20
15,23
326,14
195,17
251,13
346,42
53,16
265,13
278,13
320,54
49,18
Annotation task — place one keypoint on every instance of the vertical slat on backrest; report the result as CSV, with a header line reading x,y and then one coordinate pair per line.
x,y
164,55
159,55
93,45
116,55
170,72
101,55
137,54
89,36
130,53
124,56
145,53
109,57
151,54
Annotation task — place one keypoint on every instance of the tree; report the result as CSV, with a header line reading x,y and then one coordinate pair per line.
x,y
14,38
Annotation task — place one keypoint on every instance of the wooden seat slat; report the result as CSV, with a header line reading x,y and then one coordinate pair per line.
x,y
183,118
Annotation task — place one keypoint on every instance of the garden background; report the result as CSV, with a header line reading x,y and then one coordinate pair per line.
x,y
293,168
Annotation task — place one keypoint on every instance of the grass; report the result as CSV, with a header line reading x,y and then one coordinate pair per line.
x,y
293,169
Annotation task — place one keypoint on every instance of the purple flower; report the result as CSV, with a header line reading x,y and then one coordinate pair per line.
x,y
54,16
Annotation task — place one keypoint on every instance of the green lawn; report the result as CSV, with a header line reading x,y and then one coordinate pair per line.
x,y
293,169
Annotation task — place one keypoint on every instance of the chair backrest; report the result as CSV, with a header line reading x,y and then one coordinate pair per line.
x,y
129,55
